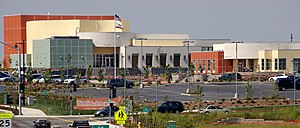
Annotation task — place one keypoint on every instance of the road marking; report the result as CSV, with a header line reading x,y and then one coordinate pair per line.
x,y
164,90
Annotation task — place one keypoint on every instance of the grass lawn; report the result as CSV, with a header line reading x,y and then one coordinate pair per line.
x,y
252,126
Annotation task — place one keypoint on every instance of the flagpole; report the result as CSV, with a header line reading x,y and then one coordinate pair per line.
x,y
115,59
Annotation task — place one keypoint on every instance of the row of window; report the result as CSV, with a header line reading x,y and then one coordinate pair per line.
x,y
281,62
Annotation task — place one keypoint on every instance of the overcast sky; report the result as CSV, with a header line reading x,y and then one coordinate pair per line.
x,y
243,20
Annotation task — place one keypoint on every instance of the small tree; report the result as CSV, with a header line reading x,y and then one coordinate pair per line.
x,y
249,91
122,72
168,73
47,75
100,75
192,69
62,74
89,72
29,75
275,91
146,72
199,95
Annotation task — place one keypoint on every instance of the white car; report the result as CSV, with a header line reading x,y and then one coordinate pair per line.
x,y
213,108
72,80
274,78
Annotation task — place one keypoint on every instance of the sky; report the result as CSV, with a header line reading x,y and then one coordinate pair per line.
x,y
240,20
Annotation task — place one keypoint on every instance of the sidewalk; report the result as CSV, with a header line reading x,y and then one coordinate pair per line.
x,y
28,112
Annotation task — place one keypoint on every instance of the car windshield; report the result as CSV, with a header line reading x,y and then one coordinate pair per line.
x,y
43,121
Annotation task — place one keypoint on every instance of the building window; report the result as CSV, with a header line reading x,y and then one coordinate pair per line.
x,y
262,64
176,59
135,60
163,57
204,65
251,63
214,65
208,65
276,64
206,48
282,63
149,60
199,66
268,64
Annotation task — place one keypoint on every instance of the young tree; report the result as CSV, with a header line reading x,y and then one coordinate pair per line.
x,y
47,75
192,69
146,72
100,74
199,95
89,72
275,91
249,91
29,75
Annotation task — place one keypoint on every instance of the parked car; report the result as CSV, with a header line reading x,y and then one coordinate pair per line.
x,y
7,78
80,124
42,123
105,111
119,83
171,106
213,108
287,83
38,78
274,78
230,76
72,80
56,79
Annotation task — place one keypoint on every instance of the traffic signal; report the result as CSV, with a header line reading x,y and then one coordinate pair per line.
x,y
74,88
22,86
113,89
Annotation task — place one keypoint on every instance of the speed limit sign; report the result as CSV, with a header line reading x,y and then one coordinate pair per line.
x,y
5,120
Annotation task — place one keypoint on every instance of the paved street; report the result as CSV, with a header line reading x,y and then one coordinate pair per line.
x,y
212,91
56,121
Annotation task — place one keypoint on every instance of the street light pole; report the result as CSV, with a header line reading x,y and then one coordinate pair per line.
x,y
294,80
141,62
19,68
236,95
118,36
189,63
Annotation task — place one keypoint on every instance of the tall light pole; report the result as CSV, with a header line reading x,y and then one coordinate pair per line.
x,y
294,80
189,63
19,68
141,62
118,36
222,63
236,95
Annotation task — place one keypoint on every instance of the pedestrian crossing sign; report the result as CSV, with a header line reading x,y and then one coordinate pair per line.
x,y
121,116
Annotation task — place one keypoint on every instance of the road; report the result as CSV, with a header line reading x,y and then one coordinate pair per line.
x,y
212,91
56,121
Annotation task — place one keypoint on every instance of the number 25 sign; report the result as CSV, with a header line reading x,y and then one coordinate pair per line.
x,y
5,120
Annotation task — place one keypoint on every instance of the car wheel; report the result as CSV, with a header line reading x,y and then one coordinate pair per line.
x,y
271,79
101,115
84,82
226,112
176,111
206,112
283,89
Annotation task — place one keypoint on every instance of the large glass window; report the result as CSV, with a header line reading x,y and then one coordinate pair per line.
x,y
268,64
176,59
149,60
276,64
213,65
262,64
204,65
251,63
282,63
199,66
208,65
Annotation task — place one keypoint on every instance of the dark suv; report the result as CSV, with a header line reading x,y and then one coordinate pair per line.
x,y
171,106
119,83
229,77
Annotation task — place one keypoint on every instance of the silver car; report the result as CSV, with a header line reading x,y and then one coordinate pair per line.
x,y
214,108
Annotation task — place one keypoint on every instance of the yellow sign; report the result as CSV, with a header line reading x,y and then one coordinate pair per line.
x,y
9,116
120,115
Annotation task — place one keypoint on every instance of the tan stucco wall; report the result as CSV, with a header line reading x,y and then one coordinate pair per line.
x,y
103,50
275,54
46,29
158,42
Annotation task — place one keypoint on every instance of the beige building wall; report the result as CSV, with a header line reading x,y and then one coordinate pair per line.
x,y
288,54
49,28
157,42
103,50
